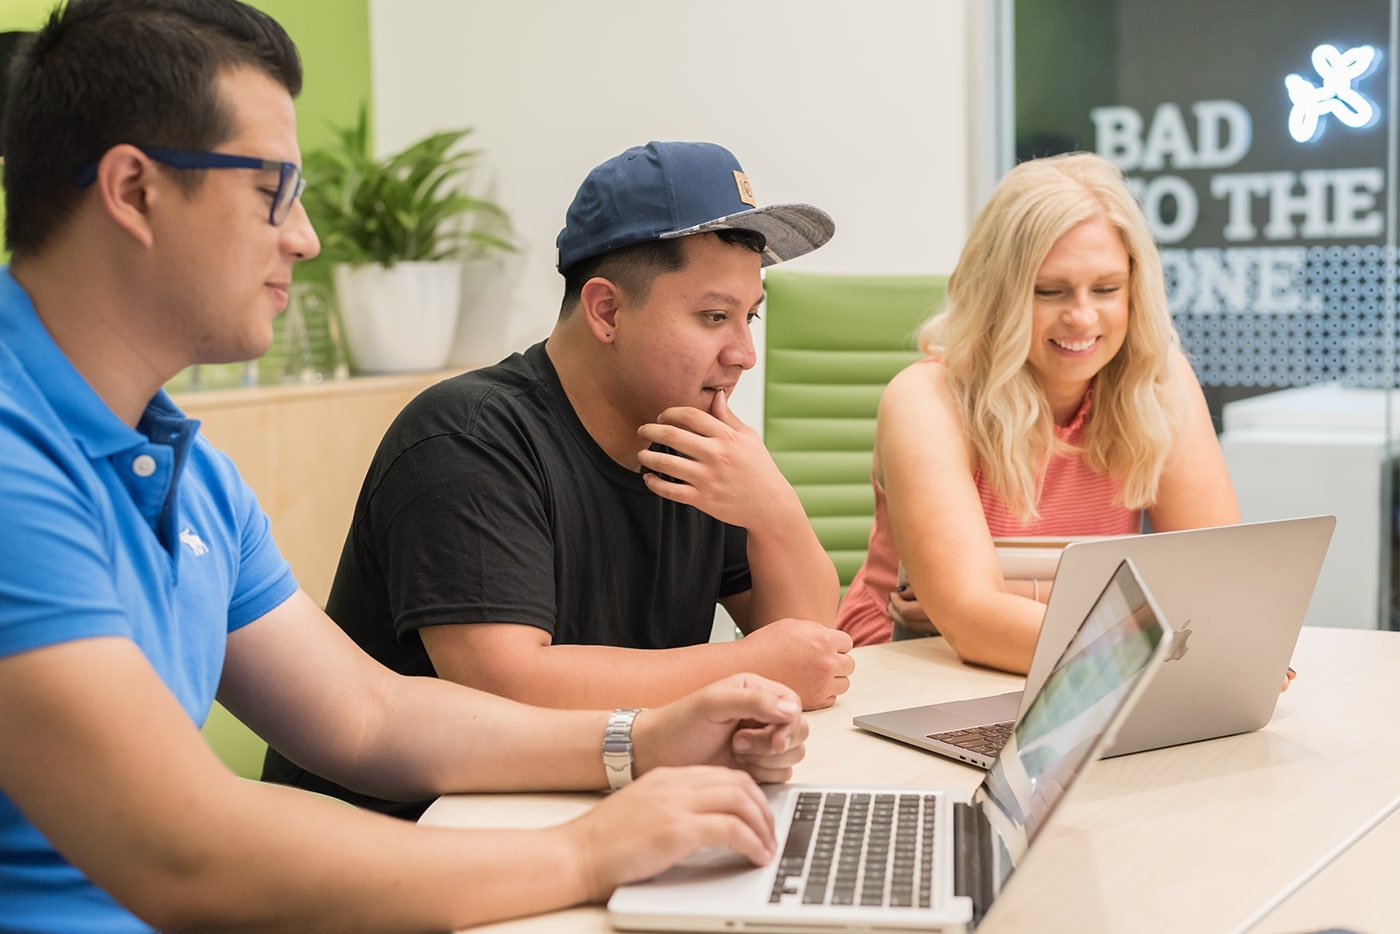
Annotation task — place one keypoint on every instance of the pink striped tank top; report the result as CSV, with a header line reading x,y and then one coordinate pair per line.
x,y
1074,500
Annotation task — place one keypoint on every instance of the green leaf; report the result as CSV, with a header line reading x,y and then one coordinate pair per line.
x,y
414,204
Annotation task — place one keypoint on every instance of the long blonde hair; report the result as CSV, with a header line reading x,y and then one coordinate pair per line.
x,y
983,335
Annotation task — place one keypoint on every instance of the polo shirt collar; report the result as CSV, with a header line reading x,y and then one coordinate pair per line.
x,y
92,424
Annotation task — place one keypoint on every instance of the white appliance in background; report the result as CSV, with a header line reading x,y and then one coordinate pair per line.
x,y
1324,449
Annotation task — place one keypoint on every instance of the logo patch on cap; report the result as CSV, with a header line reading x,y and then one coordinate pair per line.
x,y
745,189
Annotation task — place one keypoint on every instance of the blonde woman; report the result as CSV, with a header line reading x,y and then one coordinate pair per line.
x,y
1055,400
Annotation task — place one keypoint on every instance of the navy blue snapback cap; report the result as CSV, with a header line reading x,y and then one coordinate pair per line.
x,y
675,189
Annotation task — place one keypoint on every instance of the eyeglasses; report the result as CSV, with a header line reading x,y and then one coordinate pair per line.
x,y
290,184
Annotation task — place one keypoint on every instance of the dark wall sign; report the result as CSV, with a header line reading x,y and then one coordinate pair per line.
x,y
1259,137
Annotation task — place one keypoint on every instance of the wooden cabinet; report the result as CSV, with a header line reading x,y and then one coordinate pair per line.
x,y
304,451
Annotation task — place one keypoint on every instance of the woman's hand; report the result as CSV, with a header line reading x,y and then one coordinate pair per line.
x,y
904,609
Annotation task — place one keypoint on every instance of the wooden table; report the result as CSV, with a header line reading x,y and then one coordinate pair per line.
x,y
1355,889
1201,837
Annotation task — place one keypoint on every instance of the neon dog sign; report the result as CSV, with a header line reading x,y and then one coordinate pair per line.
x,y
1335,96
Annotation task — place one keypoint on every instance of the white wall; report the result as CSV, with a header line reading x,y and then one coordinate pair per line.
x,y
869,110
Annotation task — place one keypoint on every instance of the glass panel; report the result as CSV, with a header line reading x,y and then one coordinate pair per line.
x,y
1260,137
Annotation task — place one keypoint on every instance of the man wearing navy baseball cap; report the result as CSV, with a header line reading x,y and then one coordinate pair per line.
x,y
662,191
559,527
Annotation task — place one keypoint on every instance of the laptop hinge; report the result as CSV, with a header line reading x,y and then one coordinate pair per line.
x,y
973,871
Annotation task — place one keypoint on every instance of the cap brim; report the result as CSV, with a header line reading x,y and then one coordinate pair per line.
x,y
790,230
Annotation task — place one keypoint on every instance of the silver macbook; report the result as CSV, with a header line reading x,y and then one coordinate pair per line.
x,y
1236,595
926,859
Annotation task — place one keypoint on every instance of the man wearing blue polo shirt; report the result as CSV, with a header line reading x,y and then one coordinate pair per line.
x,y
152,188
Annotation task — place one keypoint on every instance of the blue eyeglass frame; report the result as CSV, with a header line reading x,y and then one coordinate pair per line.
x,y
290,183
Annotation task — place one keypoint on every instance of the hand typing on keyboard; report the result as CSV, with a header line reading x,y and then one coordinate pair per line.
x,y
664,817
697,758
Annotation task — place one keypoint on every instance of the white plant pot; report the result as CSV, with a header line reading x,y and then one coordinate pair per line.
x,y
400,318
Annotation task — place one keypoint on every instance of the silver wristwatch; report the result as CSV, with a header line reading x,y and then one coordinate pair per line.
x,y
617,748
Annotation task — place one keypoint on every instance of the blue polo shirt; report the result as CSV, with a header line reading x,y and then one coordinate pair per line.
x,y
147,534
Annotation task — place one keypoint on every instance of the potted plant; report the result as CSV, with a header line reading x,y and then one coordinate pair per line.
x,y
396,230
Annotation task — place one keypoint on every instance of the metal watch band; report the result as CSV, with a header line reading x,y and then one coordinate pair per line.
x,y
617,748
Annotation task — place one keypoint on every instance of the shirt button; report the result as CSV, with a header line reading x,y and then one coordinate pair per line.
x,y
144,465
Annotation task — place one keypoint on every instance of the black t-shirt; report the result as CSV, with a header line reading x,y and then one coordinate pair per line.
x,y
488,502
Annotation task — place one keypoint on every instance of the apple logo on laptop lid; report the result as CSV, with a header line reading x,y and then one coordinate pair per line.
x,y
1179,640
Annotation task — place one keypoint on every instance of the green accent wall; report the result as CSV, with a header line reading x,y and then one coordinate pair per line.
x,y
332,35
23,14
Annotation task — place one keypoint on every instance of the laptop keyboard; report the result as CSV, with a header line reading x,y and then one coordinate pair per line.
x,y
856,848
986,739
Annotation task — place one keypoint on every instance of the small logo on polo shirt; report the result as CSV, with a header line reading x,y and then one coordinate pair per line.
x,y
193,542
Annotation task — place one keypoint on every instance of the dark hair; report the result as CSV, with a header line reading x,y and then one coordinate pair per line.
x,y
104,72
634,268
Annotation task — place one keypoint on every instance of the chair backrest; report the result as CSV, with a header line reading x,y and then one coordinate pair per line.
x,y
833,342
239,747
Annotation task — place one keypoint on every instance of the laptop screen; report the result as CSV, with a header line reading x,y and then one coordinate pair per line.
x,y
1064,724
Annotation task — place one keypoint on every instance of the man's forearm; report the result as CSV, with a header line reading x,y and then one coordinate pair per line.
x,y
312,866
459,739
602,677
792,575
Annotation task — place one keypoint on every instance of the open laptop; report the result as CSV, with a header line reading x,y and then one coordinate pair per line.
x,y
1236,595
939,857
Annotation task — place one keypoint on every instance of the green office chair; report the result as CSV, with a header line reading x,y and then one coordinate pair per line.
x,y
833,342
239,747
